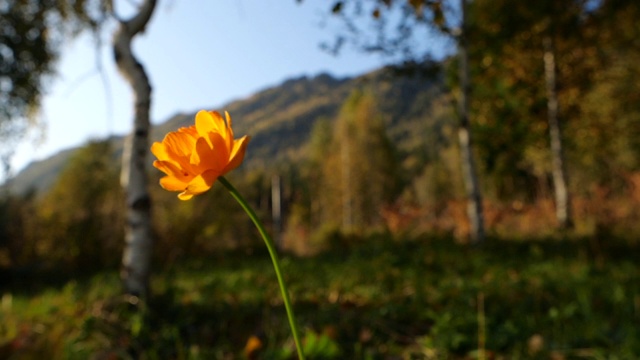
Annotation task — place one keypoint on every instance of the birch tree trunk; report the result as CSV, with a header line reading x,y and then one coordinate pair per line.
x,y
563,201
136,259
472,187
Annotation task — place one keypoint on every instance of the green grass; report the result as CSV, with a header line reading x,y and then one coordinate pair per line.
x,y
373,299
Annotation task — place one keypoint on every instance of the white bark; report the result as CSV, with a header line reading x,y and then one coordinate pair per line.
x,y
136,259
563,202
472,187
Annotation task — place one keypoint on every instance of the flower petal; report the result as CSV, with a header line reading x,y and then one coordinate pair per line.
x,y
199,184
220,149
237,153
176,147
228,118
191,131
185,196
171,169
179,143
159,151
172,183
203,156
229,132
209,121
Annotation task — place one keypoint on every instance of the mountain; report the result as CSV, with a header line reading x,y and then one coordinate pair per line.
x,y
280,118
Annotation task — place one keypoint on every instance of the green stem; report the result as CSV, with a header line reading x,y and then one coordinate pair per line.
x,y
274,258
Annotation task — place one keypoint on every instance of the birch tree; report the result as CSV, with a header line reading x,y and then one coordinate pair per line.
x,y
469,172
49,22
397,24
558,167
521,60
136,260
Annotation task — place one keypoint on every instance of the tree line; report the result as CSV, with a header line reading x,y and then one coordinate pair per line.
x,y
542,117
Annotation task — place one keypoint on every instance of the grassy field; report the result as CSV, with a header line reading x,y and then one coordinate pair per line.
x,y
372,298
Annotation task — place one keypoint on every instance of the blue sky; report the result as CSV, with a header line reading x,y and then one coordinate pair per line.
x,y
199,54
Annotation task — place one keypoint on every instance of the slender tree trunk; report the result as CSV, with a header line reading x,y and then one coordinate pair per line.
x,y
563,201
276,209
472,187
136,259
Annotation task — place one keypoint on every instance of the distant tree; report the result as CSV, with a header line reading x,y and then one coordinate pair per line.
x,y
18,228
606,142
469,171
320,144
558,163
507,101
31,36
359,171
537,64
81,216
396,25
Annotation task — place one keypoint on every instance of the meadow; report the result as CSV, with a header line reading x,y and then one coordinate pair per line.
x,y
374,297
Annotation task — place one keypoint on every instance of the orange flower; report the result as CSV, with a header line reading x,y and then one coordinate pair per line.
x,y
194,157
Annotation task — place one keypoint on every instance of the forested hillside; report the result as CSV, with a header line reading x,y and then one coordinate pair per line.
x,y
280,118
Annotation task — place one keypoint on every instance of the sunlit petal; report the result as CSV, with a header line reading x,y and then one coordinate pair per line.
x,y
172,183
191,131
203,156
220,149
172,169
159,151
204,123
178,143
202,183
185,195
228,118
209,122
237,154
228,131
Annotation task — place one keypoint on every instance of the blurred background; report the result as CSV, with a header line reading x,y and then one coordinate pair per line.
x,y
443,179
